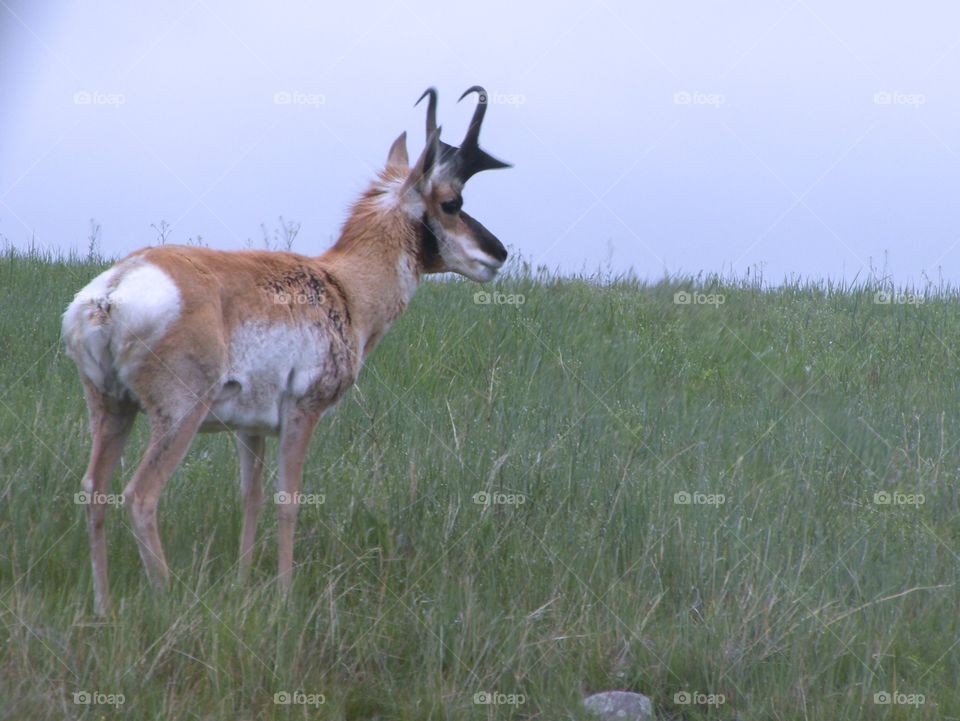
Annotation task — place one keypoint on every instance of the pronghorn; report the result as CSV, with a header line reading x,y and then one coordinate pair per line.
x,y
261,343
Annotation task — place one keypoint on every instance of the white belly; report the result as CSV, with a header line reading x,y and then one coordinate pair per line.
x,y
269,367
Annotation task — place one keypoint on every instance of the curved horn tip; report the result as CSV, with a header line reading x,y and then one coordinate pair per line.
x,y
475,89
431,91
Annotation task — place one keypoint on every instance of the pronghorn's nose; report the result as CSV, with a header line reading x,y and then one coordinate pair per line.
x,y
487,241
497,250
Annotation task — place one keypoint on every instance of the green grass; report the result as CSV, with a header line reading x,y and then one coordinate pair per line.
x,y
799,597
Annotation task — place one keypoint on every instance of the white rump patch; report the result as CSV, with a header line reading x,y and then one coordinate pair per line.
x,y
145,303
96,289
117,318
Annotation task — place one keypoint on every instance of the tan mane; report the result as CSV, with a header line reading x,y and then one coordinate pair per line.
x,y
375,224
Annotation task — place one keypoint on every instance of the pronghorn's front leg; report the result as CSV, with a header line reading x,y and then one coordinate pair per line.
x,y
250,448
295,434
170,439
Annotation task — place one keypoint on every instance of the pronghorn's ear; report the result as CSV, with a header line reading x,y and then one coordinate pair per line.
x,y
397,157
420,174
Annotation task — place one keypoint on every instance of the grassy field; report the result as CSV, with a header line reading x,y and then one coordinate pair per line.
x,y
752,502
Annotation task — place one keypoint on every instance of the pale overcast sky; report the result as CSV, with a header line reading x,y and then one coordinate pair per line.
x,y
812,137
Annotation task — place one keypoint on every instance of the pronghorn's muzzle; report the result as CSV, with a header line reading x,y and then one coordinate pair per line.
x,y
486,241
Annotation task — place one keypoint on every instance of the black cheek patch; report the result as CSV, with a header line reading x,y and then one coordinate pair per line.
x,y
487,241
429,247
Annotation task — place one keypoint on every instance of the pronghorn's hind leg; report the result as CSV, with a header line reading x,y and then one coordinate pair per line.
x,y
251,449
170,438
110,423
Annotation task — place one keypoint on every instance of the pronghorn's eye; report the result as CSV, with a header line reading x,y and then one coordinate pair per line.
x,y
452,206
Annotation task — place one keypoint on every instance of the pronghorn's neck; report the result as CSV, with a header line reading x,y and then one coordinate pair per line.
x,y
377,259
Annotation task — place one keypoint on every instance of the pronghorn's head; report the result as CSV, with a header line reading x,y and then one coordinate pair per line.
x,y
431,195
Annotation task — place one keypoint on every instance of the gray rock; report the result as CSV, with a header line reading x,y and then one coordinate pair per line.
x,y
619,706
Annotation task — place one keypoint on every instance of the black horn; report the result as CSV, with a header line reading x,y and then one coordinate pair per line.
x,y
446,151
431,109
473,132
470,158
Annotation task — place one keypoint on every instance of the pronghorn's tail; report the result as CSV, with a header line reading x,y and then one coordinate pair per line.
x,y
87,330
